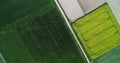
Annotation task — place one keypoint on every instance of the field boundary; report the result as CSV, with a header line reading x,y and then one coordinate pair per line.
x,y
67,21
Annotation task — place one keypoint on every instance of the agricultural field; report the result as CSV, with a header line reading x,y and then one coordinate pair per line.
x,y
36,33
112,56
98,32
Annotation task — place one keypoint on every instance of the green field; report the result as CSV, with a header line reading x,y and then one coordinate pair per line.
x,y
98,31
35,32
112,56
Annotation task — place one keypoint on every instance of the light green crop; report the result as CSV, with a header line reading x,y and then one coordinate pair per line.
x,y
98,31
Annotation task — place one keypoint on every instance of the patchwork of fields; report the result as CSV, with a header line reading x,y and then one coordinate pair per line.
x,y
36,32
32,34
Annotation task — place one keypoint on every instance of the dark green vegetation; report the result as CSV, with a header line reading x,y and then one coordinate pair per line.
x,y
33,32
13,10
